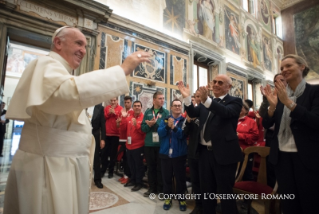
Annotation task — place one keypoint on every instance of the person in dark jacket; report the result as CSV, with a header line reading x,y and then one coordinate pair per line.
x,y
173,151
96,115
192,130
269,134
294,109
3,125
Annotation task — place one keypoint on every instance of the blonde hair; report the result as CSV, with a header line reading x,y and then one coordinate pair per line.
x,y
300,61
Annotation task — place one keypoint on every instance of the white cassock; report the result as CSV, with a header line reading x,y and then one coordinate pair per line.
x,y
51,170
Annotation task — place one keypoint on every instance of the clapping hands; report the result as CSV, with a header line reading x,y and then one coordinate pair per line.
x,y
170,123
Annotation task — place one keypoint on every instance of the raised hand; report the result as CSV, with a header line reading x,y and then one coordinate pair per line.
x,y
185,91
262,90
111,111
170,123
271,96
124,113
203,93
282,93
133,121
188,119
210,86
150,123
133,60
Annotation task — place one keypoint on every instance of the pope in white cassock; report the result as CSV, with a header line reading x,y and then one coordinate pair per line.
x,y
51,170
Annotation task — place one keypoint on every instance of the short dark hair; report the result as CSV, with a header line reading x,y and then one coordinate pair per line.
x,y
280,74
157,93
246,107
128,98
176,100
137,101
3,103
249,103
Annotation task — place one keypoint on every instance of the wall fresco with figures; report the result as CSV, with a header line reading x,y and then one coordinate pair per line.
x,y
236,33
223,26
239,84
167,65
229,27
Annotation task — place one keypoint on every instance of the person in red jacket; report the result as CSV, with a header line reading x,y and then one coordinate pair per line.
x,y
248,134
111,113
126,112
135,146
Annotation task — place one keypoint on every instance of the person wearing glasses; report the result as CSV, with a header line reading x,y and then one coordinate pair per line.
x,y
173,152
51,170
294,109
219,150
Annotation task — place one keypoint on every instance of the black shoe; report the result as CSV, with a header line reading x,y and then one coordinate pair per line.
x,y
147,194
137,187
110,175
99,185
1,155
130,184
197,210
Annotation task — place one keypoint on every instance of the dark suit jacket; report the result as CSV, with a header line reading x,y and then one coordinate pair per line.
x,y
3,126
222,126
98,121
304,126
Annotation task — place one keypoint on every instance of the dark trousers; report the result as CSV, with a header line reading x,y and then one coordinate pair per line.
x,y
294,178
109,154
216,178
270,168
174,167
154,171
194,171
1,141
135,161
97,162
126,166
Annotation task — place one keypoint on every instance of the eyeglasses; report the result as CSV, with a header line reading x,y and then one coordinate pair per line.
x,y
219,82
177,106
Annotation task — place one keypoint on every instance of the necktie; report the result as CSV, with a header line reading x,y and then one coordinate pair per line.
x,y
207,134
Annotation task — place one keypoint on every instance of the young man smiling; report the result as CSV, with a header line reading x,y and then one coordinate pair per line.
x,y
151,121
135,146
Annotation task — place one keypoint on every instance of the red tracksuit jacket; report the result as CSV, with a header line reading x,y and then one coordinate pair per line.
x,y
110,120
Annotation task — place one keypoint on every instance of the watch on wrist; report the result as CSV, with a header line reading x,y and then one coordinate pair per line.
x,y
291,105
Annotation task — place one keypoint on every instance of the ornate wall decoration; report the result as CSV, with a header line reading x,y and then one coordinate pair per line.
x,y
265,14
178,68
153,70
232,30
144,94
111,51
307,38
174,16
268,53
206,19
239,84
252,44
279,53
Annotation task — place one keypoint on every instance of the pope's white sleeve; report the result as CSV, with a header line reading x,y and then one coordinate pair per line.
x,y
86,90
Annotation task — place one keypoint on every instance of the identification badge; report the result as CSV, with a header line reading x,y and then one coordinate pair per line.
x,y
155,137
170,151
129,140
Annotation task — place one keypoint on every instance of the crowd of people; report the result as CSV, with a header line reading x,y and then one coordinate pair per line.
x,y
210,136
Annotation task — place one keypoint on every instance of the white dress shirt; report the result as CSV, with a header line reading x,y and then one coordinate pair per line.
x,y
208,102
